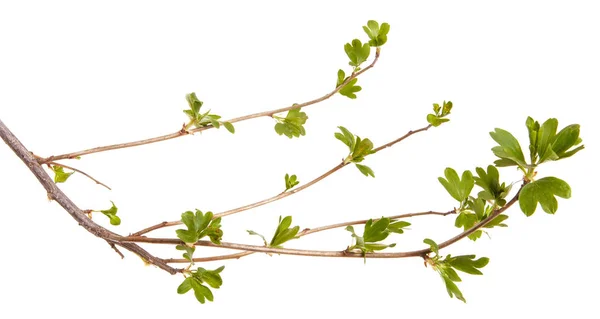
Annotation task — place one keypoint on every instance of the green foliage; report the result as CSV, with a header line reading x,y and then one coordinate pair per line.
x,y
349,88
440,112
197,278
292,125
373,233
546,145
476,211
458,188
490,182
198,226
543,191
111,213
509,150
377,34
357,53
447,267
59,174
189,251
290,181
359,149
198,119
283,233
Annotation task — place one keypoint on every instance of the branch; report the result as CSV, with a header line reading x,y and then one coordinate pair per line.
x,y
280,195
322,253
78,171
183,132
305,232
55,193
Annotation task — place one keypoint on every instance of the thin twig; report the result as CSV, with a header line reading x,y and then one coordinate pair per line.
x,y
280,195
183,132
79,171
113,246
324,253
305,232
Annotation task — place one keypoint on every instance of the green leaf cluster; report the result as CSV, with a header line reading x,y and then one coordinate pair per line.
x,y
359,149
543,191
283,233
473,210
545,144
199,119
350,88
198,226
60,176
111,213
374,232
292,125
197,279
291,181
377,34
447,267
439,113
357,53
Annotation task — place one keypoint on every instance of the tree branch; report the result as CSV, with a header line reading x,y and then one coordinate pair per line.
x,y
305,232
183,132
55,193
283,194
78,171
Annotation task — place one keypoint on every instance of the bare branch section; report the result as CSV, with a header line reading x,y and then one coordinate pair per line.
x,y
183,132
63,200
284,194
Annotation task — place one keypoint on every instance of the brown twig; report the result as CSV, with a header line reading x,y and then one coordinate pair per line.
x,y
56,194
78,171
183,132
323,253
280,195
305,232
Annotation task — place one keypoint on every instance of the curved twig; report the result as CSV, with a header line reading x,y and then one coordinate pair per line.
x,y
280,195
183,132
79,171
305,232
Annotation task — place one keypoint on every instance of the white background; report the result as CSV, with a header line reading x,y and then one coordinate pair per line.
x,y
75,76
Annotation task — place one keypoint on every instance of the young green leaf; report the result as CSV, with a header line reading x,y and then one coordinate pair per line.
x,y
196,280
251,232
189,251
111,213
438,118
59,174
432,245
509,150
452,289
467,263
284,233
357,52
459,189
290,181
543,191
377,34
373,233
490,182
350,88
229,127
565,140
292,125
346,137
200,225
398,226
366,170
